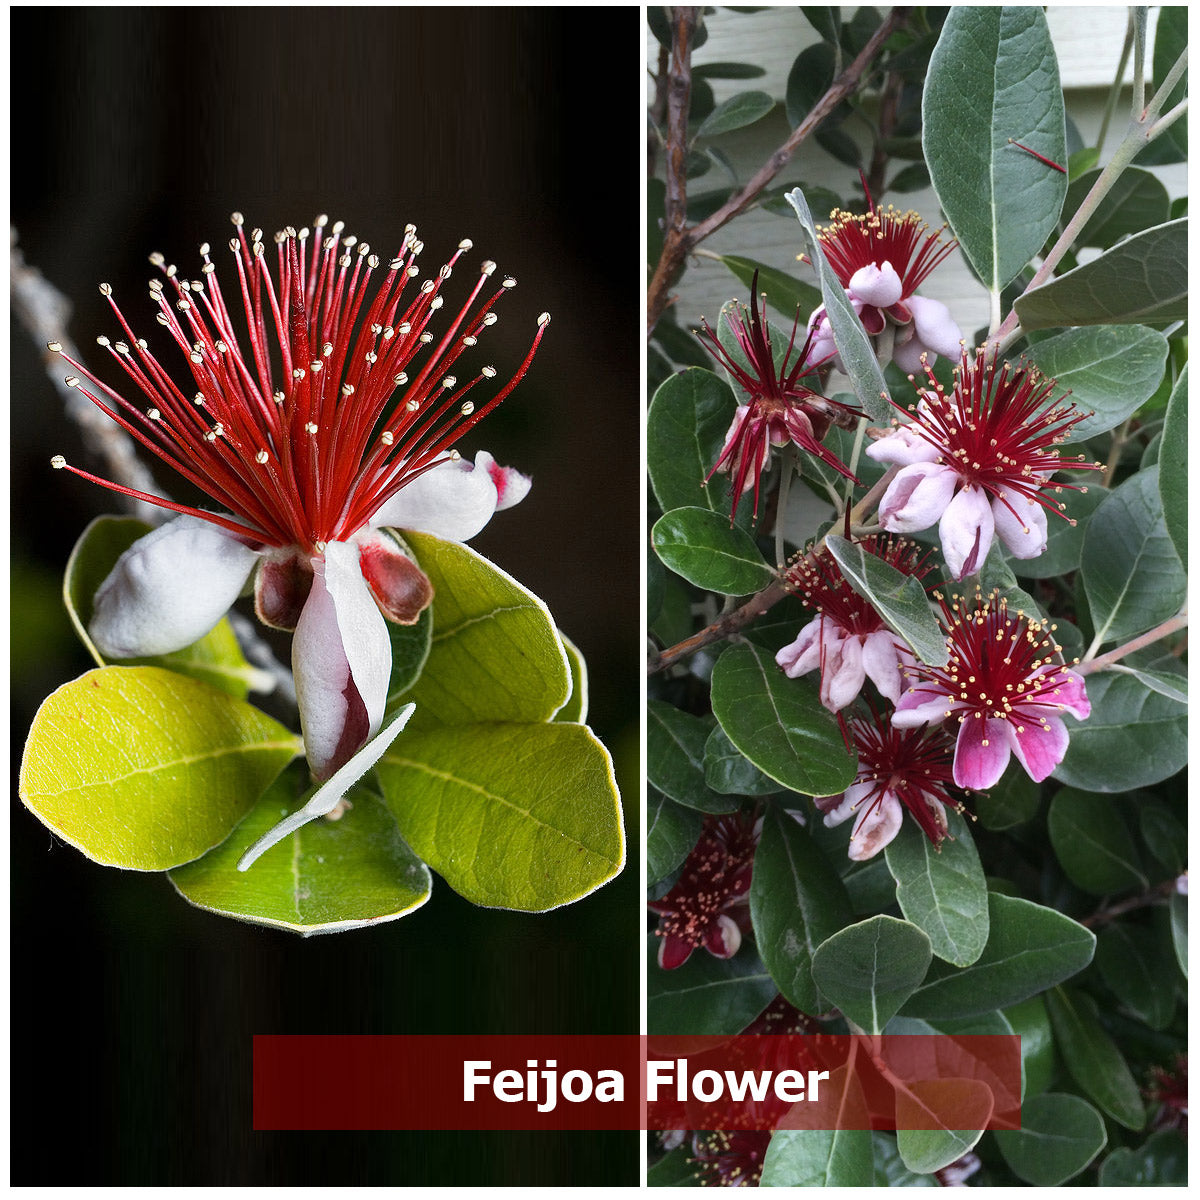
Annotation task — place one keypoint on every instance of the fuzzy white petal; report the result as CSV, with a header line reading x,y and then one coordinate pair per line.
x,y
453,500
511,486
936,329
876,829
917,497
1020,523
966,531
877,286
169,589
903,446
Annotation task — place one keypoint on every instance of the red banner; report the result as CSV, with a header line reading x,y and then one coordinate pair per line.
x,y
788,1081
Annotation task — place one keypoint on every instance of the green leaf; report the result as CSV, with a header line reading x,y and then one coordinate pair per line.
x,y
1172,467
727,70
797,901
685,430
1161,1161
1136,201
899,599
1029,949
736,113
818,1158
216,658
675,758
1010,803
1031,1023
890,1170
145,769
1177,908
1093,844
410,652
1131,573
826,21
993,79
576,708
1143,278
1110,370
671,832
854,347
1170,40
808,80
1134,737
495,653
327,877
706,995
870,969
1133,963
1092,1057
786,295
510,815
942,892
927,1150
728,771
1059,1136
675,1169
708,551
779,724
1163,836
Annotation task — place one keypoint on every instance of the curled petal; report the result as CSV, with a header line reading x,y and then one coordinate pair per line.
x,y
1020,523
917,497
842,673
1069,692
920,705
879,825
673,952
1039,748
511,486
401,589
878,286
169,589
907,351
281,587
453,500
981,753
881,661
935,327
904,446
804,654
341,658
724,938
965,531
847,803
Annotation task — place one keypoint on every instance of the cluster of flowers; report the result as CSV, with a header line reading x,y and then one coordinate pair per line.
x,y
977,460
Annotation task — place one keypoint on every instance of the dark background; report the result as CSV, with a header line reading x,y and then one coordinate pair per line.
x,y
140,130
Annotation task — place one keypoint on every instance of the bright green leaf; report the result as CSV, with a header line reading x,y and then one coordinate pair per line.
x,y
708,551
993,79
1059,1135
576,708
924,1151
1092,843
510,815
327,877
779,724
145,769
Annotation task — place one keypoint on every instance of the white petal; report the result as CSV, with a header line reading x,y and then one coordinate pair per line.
x,y
881,661
804,654
326,798
917,497
903,446
169,589
877,286
453,500
935,327
341,659
511,486
842,674
966,530
853,796
876,829
906,354
1021,527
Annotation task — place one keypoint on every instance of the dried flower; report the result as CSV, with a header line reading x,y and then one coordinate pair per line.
x,y
979,461
711,893
780,405
330,415
848,641
1006,684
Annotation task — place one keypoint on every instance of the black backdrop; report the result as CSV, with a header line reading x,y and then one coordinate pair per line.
x,y
141,129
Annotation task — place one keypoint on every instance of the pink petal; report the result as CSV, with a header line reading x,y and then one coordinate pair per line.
x,y
1069,691
453,500
981,753
1039,748
881,661
804,654
965,531
842,673
877,828
1020,523
878,286
903,446
921,704
917,497
935,327
847,803
169,589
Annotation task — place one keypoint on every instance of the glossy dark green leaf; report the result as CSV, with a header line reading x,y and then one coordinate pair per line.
x,y
870,969
1173,467
942,892
685,430
779,724
1093,844
808,79
1132,574
706,995
671,832
1110,371
327,877
1132,961
1092,1057
675,1169
1029,949
726,70
410,649
1160,1161
1177,907
1059,1136
521,816
1136,201
854,347
797,902
1170,40
786,295
728,771
993,79
1141,279
706,550
736,113
1134,737
818,1158
675,758
1031,1023
890,1170
826,21
1163,836
898,598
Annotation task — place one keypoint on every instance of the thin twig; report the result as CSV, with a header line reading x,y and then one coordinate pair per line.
x,y
1174,625
1156,895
